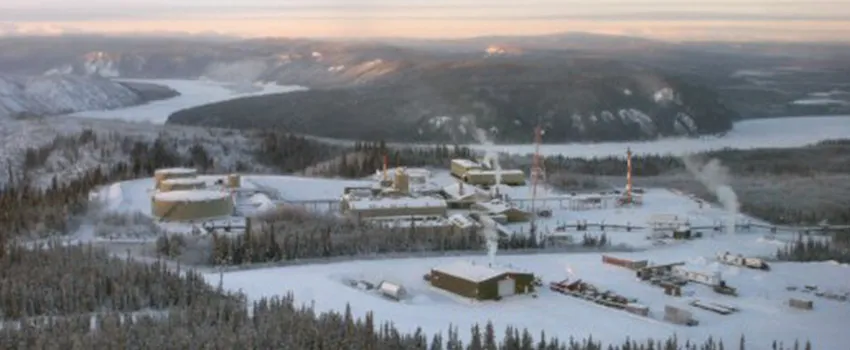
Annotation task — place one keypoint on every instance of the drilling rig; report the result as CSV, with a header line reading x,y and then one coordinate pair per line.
x,y
537,174
628,198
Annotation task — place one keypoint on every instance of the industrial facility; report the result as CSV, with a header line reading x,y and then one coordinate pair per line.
x,y
483,174
480,282
191,205
161,175
181,196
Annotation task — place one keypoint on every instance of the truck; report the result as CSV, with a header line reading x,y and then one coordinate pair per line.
x,y
740,260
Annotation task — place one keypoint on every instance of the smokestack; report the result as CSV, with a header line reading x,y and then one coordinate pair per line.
x,y
460,188
385,167
629,174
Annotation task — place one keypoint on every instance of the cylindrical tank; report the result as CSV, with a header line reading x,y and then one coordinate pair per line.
x,y
234,181
173,173
183,184
191,205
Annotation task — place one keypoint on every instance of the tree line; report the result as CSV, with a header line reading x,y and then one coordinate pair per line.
x,y
836,247
293,234
81,280
51,279
795,186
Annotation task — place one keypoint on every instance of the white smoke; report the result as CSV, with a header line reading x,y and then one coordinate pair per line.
x,y
244,72
491,157
715,177
492,237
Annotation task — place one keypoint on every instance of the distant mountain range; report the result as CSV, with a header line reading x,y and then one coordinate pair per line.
x,y
582,86
45,95
574,100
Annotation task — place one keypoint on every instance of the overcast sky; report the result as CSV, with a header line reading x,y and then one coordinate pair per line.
x,y
663,19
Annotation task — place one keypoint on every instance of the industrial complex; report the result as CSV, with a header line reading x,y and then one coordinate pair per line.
x,y
480,197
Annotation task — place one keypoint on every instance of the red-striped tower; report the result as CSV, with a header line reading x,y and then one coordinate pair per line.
x,y
629,175
536,169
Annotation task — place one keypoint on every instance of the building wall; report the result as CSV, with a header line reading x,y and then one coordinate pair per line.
x,y
234,181
165,186
398,211
159,178
490,179
187,211
516,215
523,281
485,290
455,285
459,170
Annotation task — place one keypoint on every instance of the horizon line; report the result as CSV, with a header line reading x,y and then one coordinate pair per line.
x,y
223,36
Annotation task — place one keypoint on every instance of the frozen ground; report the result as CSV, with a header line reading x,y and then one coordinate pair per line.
x,y
134,196
764,314
763,298
747,134
192,93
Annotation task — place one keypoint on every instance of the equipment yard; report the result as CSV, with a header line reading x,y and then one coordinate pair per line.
x,y
763,307
611,295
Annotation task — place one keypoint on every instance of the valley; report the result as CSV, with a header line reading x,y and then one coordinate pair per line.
x,y
386,194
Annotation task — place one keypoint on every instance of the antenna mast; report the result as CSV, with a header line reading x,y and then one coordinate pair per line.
x,y
629,175
536,174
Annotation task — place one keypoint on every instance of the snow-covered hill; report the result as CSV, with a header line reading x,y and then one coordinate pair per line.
x,y
59,94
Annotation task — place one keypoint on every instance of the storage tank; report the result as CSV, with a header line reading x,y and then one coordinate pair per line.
x,y
191,205
181,184
234,181
173,173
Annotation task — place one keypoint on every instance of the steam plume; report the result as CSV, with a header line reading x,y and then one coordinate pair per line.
x,y
715,177
491,236
490,155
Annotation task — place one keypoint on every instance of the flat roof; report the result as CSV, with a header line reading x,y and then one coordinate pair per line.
x,y
453,190
404,202
469,271
466,163
176,171
191,196
494,172
184,181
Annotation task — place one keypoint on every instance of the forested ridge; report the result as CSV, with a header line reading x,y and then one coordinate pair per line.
x,y
795,186
191,314
113,288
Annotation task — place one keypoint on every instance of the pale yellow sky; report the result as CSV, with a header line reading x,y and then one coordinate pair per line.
x,y
735,20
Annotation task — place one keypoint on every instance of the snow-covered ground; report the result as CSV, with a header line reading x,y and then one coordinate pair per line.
x,y
134,196
192,93
764,315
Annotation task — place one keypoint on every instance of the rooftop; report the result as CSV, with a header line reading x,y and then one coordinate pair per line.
x,y
453,191
462,221
494,206
466,163
191,196
405,221
403,202
184,181
176,171
494,172
470,271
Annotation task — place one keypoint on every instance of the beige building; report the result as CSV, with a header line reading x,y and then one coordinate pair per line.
x,y
181,184
234,181
161,175
363,208
460,167
499,208
191,205
489,177
462,196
